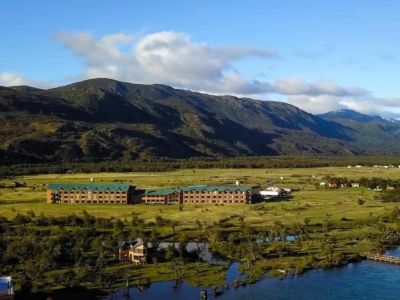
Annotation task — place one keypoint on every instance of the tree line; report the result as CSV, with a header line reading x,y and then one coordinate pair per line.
x,y
168,164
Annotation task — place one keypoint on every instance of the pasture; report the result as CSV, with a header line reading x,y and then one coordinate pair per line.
x,y
312,201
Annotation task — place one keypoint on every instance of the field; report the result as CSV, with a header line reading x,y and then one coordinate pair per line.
x,y
310,202
328,227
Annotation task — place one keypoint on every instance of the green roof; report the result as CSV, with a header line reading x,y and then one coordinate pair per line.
x,y
160,192
218,188
89,186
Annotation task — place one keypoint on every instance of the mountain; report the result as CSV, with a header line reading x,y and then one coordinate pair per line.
x,y
349,114
373,133
103,119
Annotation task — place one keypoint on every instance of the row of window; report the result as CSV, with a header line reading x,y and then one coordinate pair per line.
x,y
94,197
214,201
214,192
94,201
213,197
89,192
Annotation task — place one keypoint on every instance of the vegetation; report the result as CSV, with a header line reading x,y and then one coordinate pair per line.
x,y
106,120
45,254
168,164
56,247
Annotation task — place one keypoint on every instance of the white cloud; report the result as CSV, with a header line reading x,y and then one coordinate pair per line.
x,y
15,79
298,87
173,58
164,57
11,79
316,104
387,107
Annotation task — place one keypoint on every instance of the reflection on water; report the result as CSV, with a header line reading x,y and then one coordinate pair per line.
x,y
199,247
364,280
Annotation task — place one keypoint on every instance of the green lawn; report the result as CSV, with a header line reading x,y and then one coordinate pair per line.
x,y
311,202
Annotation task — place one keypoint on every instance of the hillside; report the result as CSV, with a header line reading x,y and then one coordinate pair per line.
x,y
103,119
373,133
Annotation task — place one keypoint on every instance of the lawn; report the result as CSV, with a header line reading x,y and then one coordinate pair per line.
x,y
339,229
311,202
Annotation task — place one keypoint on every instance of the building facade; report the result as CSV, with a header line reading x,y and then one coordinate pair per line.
x,y
112,193
162,196
204,194
127,194
133,251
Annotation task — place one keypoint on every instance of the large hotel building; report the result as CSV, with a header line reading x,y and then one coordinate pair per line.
x,y
205,194
91,193
127,194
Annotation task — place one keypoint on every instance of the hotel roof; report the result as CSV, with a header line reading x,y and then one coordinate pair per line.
x,y
160,192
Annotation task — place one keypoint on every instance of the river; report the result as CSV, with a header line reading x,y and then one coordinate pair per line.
x,y
363,280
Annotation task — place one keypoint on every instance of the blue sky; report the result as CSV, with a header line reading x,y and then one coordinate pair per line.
x,y
318,55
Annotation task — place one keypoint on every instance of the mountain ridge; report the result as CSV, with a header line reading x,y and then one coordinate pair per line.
x,y
105,119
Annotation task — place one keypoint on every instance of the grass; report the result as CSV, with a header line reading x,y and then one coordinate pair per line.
x,y
311,202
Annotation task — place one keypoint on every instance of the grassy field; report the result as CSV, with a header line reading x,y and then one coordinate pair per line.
x,y
311,202
352,227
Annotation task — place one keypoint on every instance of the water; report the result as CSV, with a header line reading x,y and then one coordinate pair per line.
x,y
198,247
365,280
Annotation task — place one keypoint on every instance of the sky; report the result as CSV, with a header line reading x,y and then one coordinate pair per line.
x,y
317,55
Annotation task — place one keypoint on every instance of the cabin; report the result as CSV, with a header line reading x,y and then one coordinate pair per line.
x,y
6,288
99,193
133,251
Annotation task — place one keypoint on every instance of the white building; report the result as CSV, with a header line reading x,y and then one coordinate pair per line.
x,y
271,192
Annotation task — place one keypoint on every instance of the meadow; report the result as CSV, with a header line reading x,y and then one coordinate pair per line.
x,y
311,201
327,227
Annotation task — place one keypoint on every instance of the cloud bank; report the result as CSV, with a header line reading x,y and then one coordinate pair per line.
x,y
15,79
173,58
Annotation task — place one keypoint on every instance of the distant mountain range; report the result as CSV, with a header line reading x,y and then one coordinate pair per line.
x,y
103,119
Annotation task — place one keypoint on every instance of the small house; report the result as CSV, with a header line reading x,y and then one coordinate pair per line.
x,y
133,251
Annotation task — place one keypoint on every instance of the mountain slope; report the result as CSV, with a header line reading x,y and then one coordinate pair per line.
x,y
103,119
373,133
